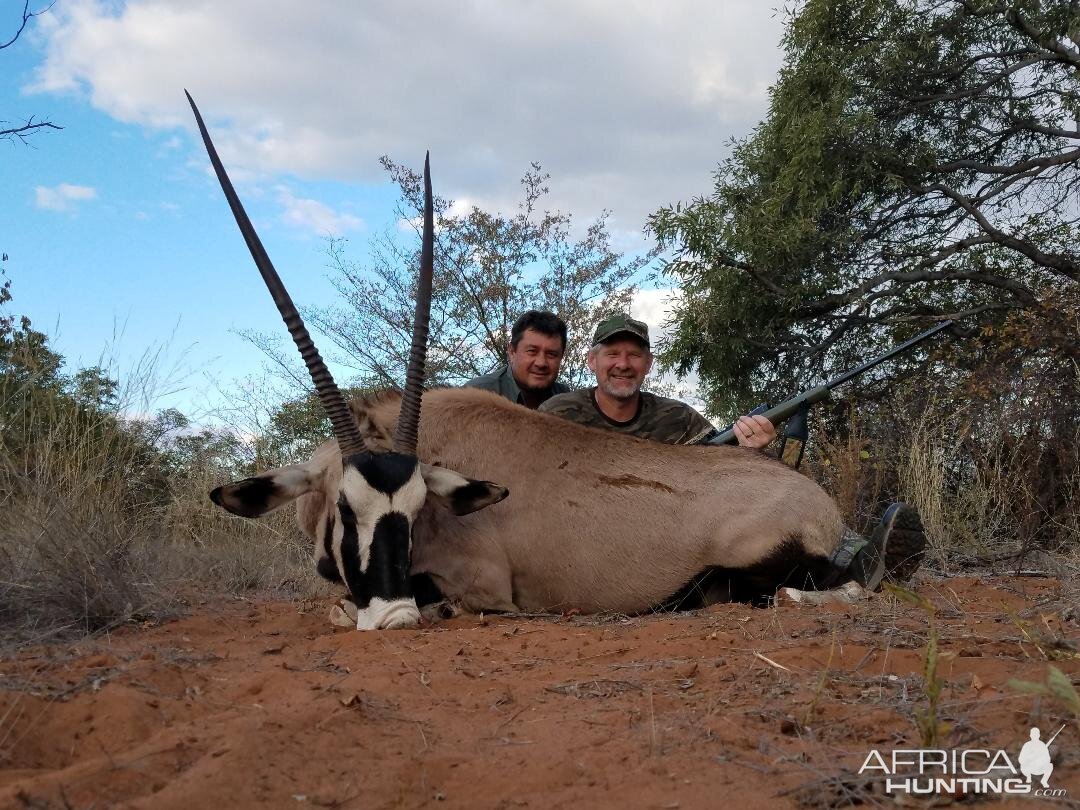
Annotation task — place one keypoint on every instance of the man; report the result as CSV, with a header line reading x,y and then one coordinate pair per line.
x,y
537,346
621,357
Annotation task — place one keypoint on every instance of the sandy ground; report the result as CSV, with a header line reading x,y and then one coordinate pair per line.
x,y
265,704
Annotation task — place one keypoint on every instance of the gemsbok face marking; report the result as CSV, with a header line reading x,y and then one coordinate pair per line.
x,y
371,498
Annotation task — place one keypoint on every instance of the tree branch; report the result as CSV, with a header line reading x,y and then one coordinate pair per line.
x,y
27,15
1058,262
29,128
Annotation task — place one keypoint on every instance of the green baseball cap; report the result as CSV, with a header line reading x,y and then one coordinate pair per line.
x,y
617,324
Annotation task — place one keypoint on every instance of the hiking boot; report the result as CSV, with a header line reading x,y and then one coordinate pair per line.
x,y
894,550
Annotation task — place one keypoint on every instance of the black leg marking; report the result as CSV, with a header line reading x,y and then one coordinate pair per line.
x,y
326,566
787,566
425,590
694,595
327,569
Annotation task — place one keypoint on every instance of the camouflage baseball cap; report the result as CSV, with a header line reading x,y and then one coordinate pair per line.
x,y
616,324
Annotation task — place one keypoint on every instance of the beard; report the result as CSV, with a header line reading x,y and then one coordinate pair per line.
x,y
627,390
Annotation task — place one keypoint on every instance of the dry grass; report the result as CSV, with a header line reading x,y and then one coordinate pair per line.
x,y
95,533
978,484
852,469
961,504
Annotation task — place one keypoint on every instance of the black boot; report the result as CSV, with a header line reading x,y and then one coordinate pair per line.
x,y
894,550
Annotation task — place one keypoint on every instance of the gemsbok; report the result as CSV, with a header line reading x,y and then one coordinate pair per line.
x,y
599,521
371,498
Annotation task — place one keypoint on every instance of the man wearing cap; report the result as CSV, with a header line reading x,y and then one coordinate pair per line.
x,y
537,346
621,357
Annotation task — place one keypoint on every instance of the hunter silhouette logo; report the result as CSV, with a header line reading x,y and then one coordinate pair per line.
x,y
927,771
1034,759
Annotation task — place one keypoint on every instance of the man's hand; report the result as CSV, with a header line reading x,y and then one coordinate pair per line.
x,y
754,431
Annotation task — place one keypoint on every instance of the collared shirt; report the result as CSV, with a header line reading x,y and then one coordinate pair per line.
x,y
658,418
502,382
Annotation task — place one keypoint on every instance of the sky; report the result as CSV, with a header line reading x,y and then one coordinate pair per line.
x,y
118,238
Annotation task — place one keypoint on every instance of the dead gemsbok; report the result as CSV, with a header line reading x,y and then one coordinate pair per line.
x,y
599,521
371,498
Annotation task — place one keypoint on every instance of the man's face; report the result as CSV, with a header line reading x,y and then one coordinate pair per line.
x,y
620,366
536,360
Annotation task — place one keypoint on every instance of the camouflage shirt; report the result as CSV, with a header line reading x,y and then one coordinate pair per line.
x,y
658,418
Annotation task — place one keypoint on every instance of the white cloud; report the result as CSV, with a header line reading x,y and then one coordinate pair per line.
x,y
628,103
654,307
312,215
62,197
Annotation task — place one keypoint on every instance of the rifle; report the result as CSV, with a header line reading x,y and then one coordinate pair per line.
x,y
799,406
1051,740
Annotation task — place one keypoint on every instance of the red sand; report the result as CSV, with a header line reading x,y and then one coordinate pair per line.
x,y
264,704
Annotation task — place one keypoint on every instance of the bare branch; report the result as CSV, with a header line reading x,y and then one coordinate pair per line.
x,y
27,15
29,128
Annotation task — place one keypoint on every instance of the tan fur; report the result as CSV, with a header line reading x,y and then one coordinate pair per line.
x,y
595,521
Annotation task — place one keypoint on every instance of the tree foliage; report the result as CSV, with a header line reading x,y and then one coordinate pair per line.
x,y
42,408
918,161
489,268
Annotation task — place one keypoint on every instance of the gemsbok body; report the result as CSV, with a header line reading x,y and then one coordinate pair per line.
x,y
597,521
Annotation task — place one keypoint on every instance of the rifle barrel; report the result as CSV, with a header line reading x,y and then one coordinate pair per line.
x,y
1051,740
785,410
919,338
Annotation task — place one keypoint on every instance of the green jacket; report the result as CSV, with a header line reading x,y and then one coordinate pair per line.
x,y
502,382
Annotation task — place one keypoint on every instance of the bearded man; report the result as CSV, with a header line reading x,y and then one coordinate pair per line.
x,y
621,357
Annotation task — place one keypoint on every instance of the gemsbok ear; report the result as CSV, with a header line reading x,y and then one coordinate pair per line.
x,y
254,497
459,494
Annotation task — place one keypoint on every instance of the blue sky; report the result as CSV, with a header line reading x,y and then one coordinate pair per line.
x,y
115,225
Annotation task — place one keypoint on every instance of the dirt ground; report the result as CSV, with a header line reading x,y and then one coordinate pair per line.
x,y
265,704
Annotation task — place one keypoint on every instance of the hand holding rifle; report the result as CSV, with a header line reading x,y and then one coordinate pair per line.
x,y
754,430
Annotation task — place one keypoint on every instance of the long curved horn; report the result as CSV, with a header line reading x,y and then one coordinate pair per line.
x,y
408,425
347,434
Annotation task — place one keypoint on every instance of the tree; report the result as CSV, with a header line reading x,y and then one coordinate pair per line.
x,y
29,126
918,161
25,356
489,268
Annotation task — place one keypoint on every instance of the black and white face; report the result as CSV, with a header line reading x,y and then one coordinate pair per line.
x,y
367,528
371,539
